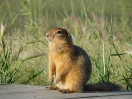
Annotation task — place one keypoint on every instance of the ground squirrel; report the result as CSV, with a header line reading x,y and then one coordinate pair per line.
x,y
69,65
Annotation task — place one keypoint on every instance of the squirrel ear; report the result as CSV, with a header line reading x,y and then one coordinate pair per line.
x,y
68,33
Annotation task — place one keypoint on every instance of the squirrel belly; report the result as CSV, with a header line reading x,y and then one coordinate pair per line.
x,y
70,66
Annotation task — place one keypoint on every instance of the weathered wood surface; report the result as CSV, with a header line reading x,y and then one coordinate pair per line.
x,y
39,92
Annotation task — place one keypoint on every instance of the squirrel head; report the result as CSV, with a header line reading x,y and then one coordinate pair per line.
x,y
56,34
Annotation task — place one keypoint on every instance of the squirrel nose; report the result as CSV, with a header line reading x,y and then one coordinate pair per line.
x,y
47,35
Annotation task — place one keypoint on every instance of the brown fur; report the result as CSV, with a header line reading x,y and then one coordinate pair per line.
x,y
69,65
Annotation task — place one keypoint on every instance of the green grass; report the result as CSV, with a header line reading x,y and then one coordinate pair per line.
x,y
10,63
102,28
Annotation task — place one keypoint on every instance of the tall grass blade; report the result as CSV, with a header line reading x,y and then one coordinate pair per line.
x,y
32,77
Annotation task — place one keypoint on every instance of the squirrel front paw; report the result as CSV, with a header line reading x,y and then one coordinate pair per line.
x,y
51,79
57,78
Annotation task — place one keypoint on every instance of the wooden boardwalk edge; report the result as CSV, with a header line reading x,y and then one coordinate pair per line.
x,y
13,91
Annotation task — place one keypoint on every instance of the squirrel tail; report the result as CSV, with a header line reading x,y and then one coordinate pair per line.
x,y
107,86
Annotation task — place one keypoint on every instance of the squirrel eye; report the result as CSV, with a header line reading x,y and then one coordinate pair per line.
x,y
59,32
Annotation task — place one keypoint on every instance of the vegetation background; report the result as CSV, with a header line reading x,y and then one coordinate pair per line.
x,y
101,27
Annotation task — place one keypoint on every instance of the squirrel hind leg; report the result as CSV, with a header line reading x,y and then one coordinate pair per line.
x,y
70,91
52,88
65,91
